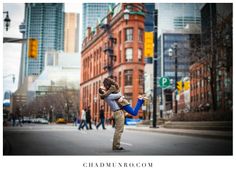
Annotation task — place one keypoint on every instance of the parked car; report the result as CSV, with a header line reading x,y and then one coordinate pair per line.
x,y
130,121
60,121
26,120
40,121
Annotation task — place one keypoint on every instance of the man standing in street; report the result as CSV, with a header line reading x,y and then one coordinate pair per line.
x,y
118,114
102,118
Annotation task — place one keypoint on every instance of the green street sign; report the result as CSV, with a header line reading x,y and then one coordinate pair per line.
x,y
164,82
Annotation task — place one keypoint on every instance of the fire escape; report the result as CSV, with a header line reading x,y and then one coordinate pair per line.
x,y
108,49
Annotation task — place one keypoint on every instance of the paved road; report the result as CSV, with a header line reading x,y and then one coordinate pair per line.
x,y
35,139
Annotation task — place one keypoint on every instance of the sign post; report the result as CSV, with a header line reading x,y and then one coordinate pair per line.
x,y
164,82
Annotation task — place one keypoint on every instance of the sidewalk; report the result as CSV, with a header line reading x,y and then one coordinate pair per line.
x,y
189,132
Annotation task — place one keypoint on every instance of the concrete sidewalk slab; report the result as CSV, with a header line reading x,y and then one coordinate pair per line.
x,y
189,132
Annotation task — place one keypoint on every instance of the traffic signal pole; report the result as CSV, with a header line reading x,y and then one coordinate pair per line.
x,y
155,71
176,78
13,40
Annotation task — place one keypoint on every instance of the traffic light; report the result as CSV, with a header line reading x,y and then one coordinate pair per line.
x,y
179,86
186,85
32,48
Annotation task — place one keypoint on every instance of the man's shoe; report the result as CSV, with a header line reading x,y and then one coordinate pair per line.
x,y
118,149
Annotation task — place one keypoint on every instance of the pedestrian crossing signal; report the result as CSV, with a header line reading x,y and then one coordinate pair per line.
x,y
33,48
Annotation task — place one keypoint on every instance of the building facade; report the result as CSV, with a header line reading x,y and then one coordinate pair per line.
x,y
127,55
44,22
216,48
177,22
186,39
61,71
200,93
71,40
148,23
92,13
177,15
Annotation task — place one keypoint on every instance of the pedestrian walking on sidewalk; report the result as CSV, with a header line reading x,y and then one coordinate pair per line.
x,y
75,120
88,118
83,120
19,117
13,117
102,118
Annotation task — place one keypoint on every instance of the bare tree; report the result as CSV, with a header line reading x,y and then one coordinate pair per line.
x,y
215,52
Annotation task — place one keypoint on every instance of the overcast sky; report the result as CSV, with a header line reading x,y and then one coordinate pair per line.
x,y
12,51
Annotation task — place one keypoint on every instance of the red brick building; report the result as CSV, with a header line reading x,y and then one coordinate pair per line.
x,y
125,61
200,90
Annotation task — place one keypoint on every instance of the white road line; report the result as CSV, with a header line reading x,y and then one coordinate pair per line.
x,y
124,143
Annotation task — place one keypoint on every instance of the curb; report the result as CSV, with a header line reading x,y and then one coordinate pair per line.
x,y
206,134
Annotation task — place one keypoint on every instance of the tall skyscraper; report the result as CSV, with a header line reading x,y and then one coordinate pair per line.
x,y
177,15
177,23
71,33
44,22
173,20
92,12
148,23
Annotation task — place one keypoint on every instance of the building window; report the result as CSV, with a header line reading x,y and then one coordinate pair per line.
x,y
202,83
129,34
128,77
140,35
50,61
129,55
140,55
141,78
198,84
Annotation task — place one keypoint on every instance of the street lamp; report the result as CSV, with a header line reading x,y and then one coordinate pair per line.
x,y
7,20
173,53
126,15
51,114
44,112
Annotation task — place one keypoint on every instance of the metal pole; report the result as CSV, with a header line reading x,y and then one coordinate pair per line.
x,y
161,103
155,70
176,78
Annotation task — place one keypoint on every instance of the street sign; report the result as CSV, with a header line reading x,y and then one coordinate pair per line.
x,y
164,82
161,107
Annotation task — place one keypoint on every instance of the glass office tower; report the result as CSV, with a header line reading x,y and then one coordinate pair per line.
x,y
148,23
173,16
92,12
177,23
44,22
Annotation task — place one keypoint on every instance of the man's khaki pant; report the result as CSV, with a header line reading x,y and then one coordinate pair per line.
x,y
119,128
